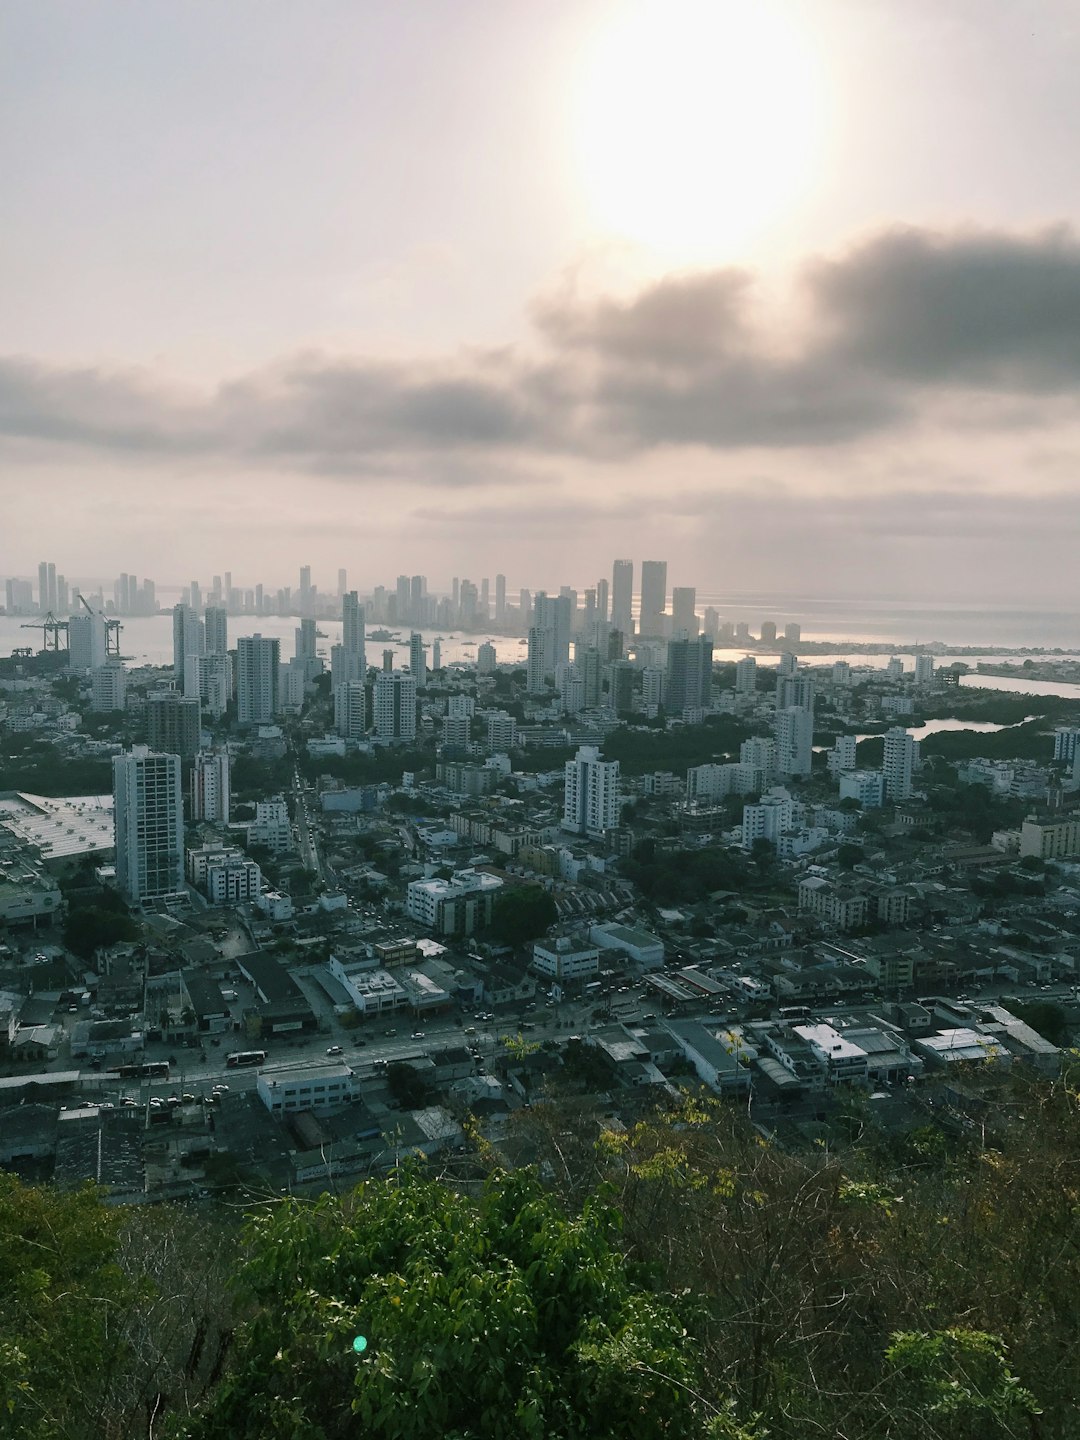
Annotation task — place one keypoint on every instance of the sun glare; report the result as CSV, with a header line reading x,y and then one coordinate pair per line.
x,y
700,124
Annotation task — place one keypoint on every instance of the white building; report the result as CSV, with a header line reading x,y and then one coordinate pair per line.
x,y
794,731
395,706
148,812
316,1087
844,1063
258,667
842,756
108,687
271,825
346,668
486,659
746,676
924,669
566,959
901,758
210,791
457,906
350,709
418,659
768,818
87,647
188,640
234,880
591,797
865,786
501,731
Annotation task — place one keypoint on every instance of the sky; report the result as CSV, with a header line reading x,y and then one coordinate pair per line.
x,y
784,292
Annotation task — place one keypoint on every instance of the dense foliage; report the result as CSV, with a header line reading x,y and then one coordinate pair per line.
x,y
520,913
640,750
498,1318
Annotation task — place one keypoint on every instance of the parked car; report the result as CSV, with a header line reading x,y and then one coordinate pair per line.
x,y
334,1050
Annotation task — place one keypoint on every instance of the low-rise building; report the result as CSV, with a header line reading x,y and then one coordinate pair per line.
x,y
458,906
645,950
567,958
307,1087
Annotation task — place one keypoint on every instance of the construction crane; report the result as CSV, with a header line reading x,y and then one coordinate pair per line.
x,y
112,628
54,633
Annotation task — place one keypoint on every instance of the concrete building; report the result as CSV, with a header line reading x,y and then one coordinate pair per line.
x,y
842,756
501,732
768,818
350,709
746,676
1050,839
271,826
148,814
898,767
316,1088
646,951
458,906
622,597
684,620
210,789
794,733
689,675
174,723
865,786
418,660
653,598
486,658
591,795
395,706
108,688
258,678
568,958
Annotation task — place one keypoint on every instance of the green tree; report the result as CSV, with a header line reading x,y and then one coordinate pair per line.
x,y
498,1318
59,1340
520,914
106,921
957,1382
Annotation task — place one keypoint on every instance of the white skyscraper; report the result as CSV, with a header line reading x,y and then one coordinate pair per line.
x,y
418,659
216,630
901,758
187,641
486,659
395,706
210,792
148,825
86,642
350,709
794,732
352,629
258,663
346,667
924,669
591,798
746,676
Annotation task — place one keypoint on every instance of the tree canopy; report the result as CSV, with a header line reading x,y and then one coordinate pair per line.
x,y
405,1312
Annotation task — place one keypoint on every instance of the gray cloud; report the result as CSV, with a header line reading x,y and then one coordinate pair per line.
x,y
908,326
973,309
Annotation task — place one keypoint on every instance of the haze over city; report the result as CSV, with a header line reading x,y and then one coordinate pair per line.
x,y
791,291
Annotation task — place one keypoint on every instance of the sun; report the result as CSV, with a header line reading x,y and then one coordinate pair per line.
x,y
700,123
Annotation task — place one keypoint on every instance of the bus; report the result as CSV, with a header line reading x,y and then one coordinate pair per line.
x,y
152,1070
245,1057
794,1012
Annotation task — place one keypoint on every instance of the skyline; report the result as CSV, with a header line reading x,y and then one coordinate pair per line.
x,y
390,288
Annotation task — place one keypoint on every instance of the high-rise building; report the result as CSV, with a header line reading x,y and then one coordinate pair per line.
x,y
500,600
587,659
436,654
652,688
501,731
898,766
486,659
352,627
621,697
689,675
307,599
746,675
395,706
602,599
210,791
794,734
1065,743
188,642
350,709
258,665
345,667
87,636
418,659
622,596
174,723
148,820
684,621
768,632
341,582
792,633
653,598
108,687
924,669
591,796
216,630
843,756
537,668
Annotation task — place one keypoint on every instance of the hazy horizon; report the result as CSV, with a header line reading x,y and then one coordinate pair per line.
x,y
785,294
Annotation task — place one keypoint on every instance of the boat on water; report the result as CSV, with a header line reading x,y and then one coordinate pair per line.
x,y
383,635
